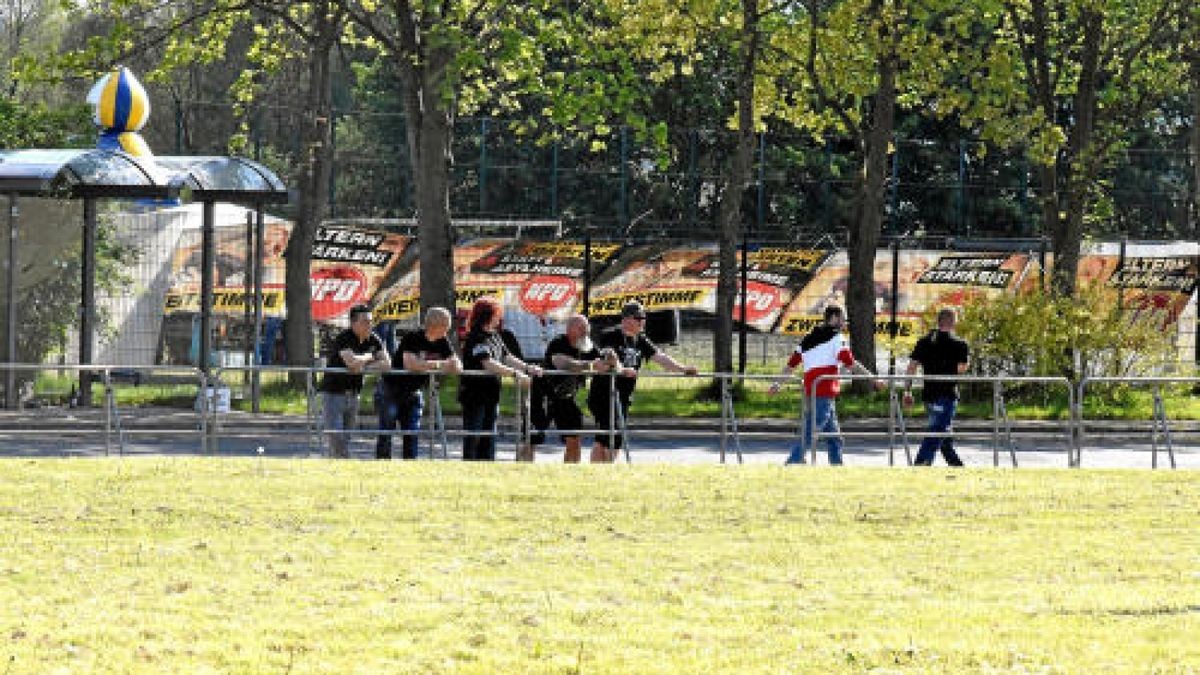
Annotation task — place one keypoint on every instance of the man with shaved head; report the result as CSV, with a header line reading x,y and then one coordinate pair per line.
x,y
399,398
571,351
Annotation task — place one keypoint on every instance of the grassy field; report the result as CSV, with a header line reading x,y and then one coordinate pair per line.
x,y
253,566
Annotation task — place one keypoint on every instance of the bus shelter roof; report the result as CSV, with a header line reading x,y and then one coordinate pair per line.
x,y
107,174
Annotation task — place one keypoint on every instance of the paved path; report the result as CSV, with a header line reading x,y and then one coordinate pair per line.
x,y
75,433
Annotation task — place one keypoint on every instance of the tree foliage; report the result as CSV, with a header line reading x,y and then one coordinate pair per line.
x,y
1069,80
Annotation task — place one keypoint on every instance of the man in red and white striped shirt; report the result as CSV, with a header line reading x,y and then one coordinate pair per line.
x,y
823,352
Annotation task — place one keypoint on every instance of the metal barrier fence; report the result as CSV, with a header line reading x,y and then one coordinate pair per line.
x,y
119,418
1001,423
76,416
1160,423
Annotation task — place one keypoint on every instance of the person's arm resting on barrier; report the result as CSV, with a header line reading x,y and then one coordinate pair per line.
x,y
521,371
564,362
664,359
415,363
494,367
357,363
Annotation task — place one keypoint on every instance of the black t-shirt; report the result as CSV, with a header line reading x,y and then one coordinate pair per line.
x,y
940,353
631,351
481,346
511,343
565,386
339,383
414,342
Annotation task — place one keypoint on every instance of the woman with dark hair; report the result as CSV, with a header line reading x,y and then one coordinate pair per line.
x,y
484,350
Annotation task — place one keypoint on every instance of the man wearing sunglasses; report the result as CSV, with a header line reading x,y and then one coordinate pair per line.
x,y
629,344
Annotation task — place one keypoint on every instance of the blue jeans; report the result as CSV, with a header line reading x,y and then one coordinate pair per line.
x,y
941,416
479,417
825,411
405,412
340,414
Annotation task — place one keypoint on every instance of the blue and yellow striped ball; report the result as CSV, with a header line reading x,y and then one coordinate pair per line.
x,y
119,102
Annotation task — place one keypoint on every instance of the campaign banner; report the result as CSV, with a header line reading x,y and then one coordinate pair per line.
x,y
1154,290
928,280
539,283
986,271
1176,275
543,279
664,277
348,264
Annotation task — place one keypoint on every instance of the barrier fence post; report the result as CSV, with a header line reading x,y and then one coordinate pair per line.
x,y
996,423
315,425
893,405
203,403
724,414
612,415
733,425
108,408
1075,428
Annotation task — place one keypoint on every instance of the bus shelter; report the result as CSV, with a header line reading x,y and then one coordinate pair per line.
x,y
94,175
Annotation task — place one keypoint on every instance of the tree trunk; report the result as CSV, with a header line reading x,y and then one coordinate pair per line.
x,y
430,131
737,176
1067,237
431,167
1195,135
1047,181
314,197
864,236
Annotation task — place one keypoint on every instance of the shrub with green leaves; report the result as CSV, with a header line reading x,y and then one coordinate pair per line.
x,y
1039,333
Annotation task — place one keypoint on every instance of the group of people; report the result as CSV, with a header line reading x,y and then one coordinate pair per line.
x,y
490,353
823,352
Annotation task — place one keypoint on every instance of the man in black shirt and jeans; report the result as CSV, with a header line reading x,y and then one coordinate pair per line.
x,y
941,352
356,349
399,399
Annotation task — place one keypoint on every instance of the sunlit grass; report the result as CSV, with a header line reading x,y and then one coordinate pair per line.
x,y
203,565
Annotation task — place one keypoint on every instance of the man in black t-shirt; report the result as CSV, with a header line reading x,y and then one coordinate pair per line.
x,y
571,351
357,349
941,352
631,347
399,398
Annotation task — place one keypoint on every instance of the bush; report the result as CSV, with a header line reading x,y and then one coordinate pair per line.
x,y
1042,334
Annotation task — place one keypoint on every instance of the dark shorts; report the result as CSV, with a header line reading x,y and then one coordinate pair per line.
x,y
566,416
600,409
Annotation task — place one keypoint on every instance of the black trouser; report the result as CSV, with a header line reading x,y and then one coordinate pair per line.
x,y
479,417
602,411
538,417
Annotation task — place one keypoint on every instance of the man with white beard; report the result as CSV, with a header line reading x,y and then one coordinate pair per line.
x,y
571,351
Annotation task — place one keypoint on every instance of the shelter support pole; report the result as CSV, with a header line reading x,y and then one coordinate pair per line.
x,y
87,318
208,249
260,227
11,399
250,345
